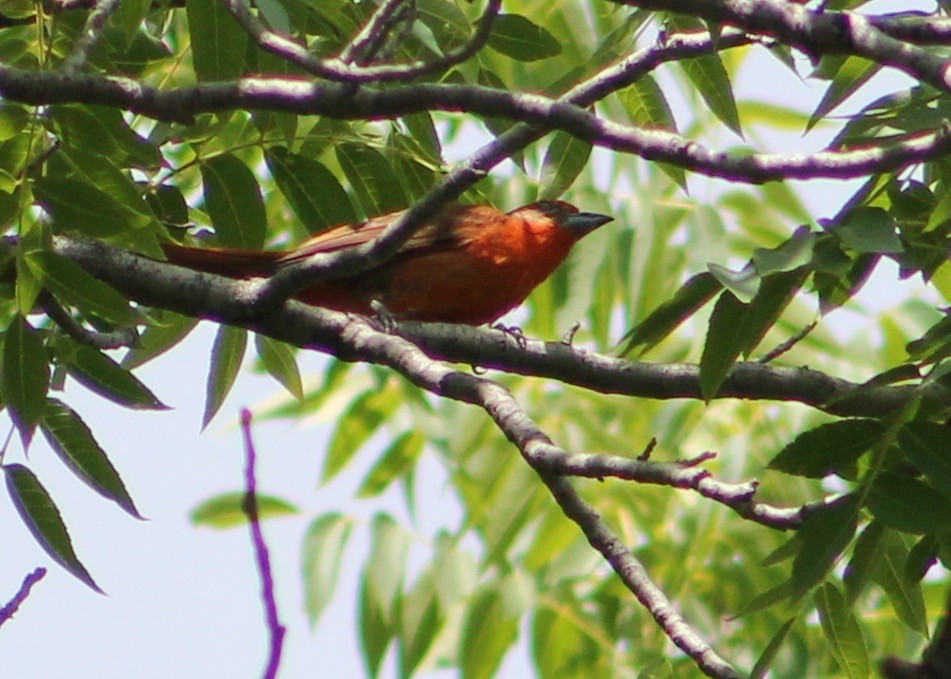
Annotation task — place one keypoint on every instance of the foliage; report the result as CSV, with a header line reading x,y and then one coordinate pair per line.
x,y
744,274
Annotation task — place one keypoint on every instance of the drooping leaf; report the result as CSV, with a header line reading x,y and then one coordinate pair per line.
x,y
842,632
40,514
102,375
233,200
25,377
375,184
381,590
226,356
217,41
278,359
72,440
822,538
321,556
311,189
564,160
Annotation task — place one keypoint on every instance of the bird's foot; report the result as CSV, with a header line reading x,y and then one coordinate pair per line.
x,y
514,332
383,320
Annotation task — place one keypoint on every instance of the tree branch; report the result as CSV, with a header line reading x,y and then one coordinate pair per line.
x,y
815,32
339,70
166,286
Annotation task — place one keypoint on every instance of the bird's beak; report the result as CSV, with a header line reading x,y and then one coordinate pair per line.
x,y
583,223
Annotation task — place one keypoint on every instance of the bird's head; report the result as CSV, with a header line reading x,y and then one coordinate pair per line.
x,y
567,215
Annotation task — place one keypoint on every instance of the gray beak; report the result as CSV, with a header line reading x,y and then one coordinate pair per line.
x,y
583,223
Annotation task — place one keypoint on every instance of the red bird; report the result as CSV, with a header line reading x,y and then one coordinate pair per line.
x,y
470,264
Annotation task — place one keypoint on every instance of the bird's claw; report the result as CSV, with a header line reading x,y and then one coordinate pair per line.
x,y
514,332
384,319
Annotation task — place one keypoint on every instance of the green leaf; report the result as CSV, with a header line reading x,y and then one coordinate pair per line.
x,y
909,505
691,296
233,200
791,254
710,78
165,330
278,359
488,632
823,537
78,206
227,509
869,230
849,74
865,562
904,595
217,41
517,37
41,516
73,442
312,190
396,460
71,284
723,344
828,448
25,378
321,556
375,184
421,618
559,638
646,104
766,658
842,632
380,591
744,283
365,415
565,158
102,375
928,446
226,356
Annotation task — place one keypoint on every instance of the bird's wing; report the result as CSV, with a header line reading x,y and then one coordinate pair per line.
x,y
442,230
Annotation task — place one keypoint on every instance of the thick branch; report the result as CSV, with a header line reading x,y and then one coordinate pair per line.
x,y
208,296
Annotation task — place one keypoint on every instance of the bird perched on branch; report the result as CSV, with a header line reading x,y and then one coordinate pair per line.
x,y
470,264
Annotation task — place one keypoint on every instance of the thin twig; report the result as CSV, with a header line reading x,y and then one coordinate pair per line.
x,y
368,41
89,38
340,72
123,337
276,630
10,609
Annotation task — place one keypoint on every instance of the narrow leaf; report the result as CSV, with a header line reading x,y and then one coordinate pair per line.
x,y
823,537
26,376
312,190
233,200
73,442
321,556
565,158
102,375
217,41
842,632
278,359
226,356
44,521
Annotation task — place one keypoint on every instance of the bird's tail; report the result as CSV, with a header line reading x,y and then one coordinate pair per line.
x,y
229,262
